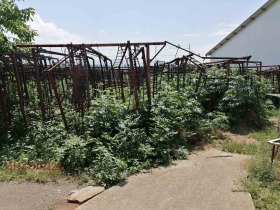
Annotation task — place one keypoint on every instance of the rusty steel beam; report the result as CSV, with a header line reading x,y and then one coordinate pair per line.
x,y
158,52
93,45
56,65
3,104
38,84
123,56
183,49
148,73
228,58
86,75
50,76
14,60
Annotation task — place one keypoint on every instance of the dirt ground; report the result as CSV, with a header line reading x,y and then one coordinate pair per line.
x,y
34,196
207,180
240,138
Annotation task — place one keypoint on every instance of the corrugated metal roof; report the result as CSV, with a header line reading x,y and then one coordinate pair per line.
x,y
243,25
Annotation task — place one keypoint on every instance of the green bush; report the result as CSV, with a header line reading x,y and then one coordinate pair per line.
x,y
245,100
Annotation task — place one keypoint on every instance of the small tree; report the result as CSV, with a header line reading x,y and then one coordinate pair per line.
x,y
14,23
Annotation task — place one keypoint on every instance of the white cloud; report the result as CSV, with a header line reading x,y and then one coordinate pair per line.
x,y
224,29
50,33
233,25
191,35
220,33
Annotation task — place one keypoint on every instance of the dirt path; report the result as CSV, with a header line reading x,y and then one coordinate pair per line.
x,y
34,196
208,180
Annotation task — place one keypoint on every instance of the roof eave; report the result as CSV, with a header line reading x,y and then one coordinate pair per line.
x,y
242,26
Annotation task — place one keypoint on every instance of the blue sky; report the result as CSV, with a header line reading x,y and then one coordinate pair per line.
x,y
198,23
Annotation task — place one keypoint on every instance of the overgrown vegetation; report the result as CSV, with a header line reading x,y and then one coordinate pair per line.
x,y
113,140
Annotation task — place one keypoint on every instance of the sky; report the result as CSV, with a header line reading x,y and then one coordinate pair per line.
x,y
198,24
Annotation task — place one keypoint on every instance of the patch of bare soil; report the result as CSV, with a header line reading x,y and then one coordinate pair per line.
x,y
35,196
240,138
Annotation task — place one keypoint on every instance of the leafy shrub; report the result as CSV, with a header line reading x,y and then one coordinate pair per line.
x,y
245,100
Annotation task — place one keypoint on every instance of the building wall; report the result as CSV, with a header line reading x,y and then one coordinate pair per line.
x,y
261,39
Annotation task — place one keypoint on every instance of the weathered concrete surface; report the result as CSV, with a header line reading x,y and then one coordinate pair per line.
x,y
85,194
208,180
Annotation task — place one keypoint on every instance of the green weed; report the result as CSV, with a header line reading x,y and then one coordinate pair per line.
x,y
238,147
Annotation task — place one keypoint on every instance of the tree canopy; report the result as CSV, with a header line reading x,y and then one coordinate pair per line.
x,y
14,27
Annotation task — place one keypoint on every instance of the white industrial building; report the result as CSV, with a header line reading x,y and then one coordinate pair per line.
x,y
258,36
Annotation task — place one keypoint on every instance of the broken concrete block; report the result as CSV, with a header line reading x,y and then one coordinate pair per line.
x,y
85,194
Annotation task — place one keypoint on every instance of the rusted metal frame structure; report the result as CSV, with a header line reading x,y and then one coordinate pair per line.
x,y
19,87
243,64
54,88
275,149
227,62
121,53
78,82
29,68
54,73
106,69
52,77
272,75
275,143
38,83
133,68
133,75
146,74
184,66
158,70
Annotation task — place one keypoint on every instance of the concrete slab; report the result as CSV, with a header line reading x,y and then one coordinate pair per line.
x,y
208,180
85,194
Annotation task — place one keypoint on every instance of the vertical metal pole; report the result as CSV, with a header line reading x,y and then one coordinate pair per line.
x,y
102,73
108,73
148,73
168,72
113,76
133,76
74,72
2,102
199,79
58,99
19,87
86,75
272,154
178,67
260,70
121,81
38,83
